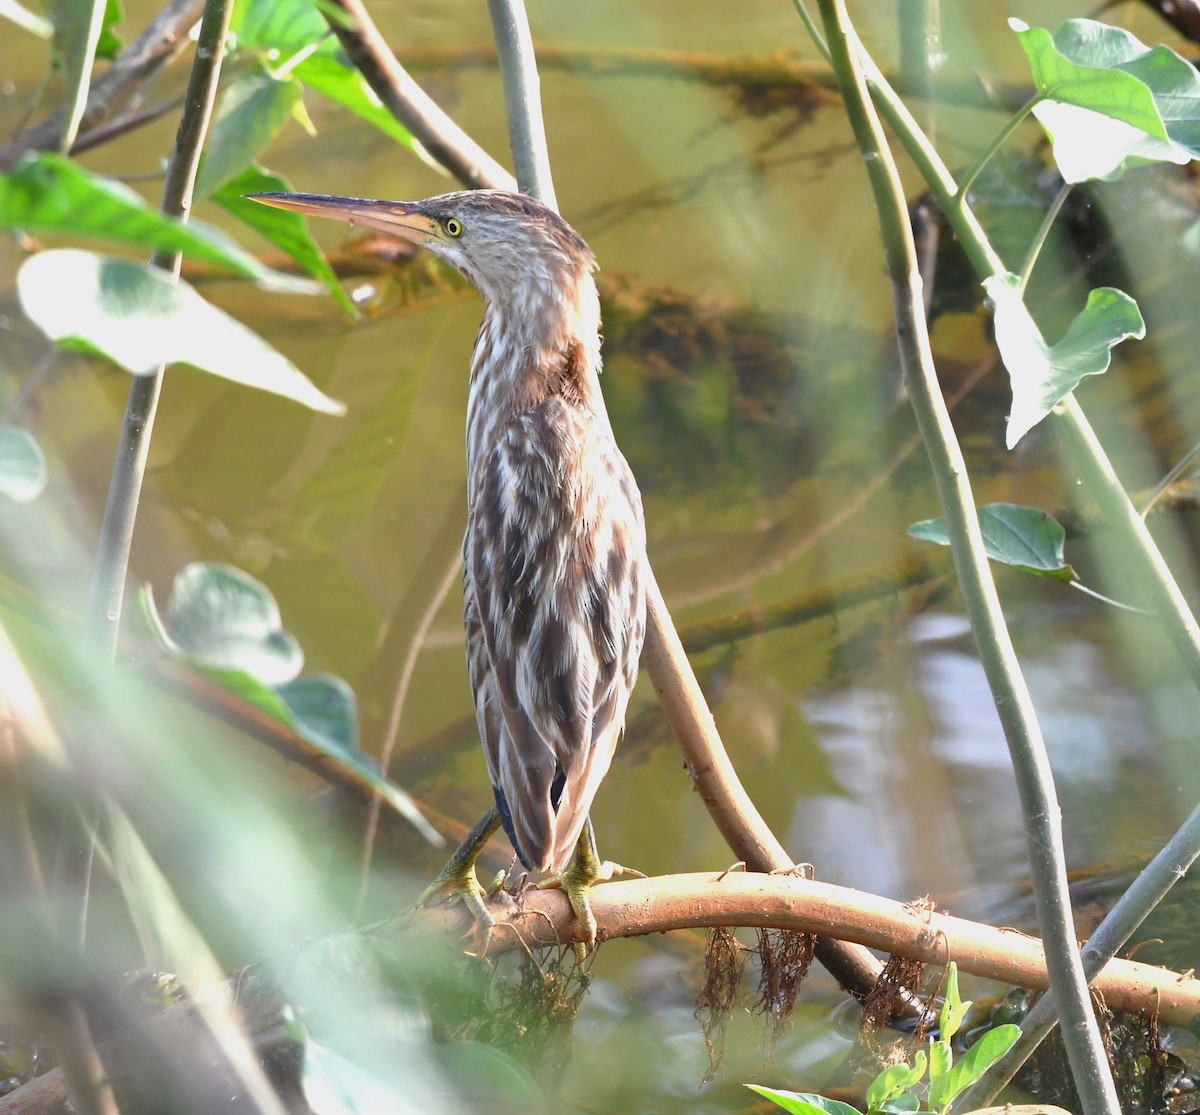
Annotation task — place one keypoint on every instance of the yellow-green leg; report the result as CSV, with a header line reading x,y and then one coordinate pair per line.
x,y
458,876
585,869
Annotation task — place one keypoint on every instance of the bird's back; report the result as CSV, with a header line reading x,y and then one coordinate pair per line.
x,y
555,614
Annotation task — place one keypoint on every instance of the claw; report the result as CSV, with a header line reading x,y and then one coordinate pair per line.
x,y
586,868
458,878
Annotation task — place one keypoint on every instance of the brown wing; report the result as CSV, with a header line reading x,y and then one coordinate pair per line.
x,y
555,616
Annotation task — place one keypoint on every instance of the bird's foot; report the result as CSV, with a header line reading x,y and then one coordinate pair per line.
x,y
575,882
460,881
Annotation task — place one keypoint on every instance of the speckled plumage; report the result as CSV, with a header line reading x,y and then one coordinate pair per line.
x,y
554,551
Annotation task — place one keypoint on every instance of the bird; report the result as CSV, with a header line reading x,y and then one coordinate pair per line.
x,y
554,554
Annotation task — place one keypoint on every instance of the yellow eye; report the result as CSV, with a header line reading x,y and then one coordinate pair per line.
x,y
453,227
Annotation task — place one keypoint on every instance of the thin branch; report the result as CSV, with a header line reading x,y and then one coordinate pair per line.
x,y
1031,765
157,45
445,141
120,509
522,99
1148,890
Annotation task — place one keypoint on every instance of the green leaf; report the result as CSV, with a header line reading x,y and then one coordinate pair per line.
x,y
280,26
324,708
334,1085
804,1103
139,318
225,619
346,87
287,231
1043,375
979,1058
901,1105
252,111
1075,66
1023,537
26,20
50,193
22,465
1088,68
77,27
940,1060
894,1080
954,1010
226,623
108,46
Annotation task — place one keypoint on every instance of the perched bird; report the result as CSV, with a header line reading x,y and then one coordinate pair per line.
x,y
554,556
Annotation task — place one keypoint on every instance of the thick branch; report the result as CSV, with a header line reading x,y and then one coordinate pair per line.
x,y
642,906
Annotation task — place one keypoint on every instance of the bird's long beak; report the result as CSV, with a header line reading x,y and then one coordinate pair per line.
x,y
399,218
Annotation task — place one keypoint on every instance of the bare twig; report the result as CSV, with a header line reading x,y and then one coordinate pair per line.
x,y
410,104
166,36
120,510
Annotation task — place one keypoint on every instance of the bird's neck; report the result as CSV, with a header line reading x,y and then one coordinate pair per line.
x,y
529,351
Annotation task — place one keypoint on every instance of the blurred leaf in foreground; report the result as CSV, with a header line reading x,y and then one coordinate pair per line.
x,y
141,318
22,465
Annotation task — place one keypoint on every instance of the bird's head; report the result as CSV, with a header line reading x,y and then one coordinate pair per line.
x,y
519,254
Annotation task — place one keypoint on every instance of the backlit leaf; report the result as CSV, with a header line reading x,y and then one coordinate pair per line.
x,y
139,318
1043,375
22,465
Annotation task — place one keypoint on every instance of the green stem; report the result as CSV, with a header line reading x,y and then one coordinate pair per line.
x,y
522,99
1031,765
985,157
1039,241
1147,891
120,510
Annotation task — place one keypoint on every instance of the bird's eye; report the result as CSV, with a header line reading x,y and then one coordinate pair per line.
x,y
453,227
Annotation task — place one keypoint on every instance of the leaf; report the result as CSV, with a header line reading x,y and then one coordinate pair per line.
x,y
1075,66
252,111
287,231
49,193
894,1080
324,708
223,618
281,26
323,711
1092,66
334,1085
1023,537
22,465
226,623
139,318
77,26
1042,375
940,1060
954,1010
108,46
901,1105
346,87
804,1103
1088,145
25,19
979,1058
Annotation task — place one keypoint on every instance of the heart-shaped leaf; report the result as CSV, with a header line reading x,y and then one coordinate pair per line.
x,y
1043,375
1023,537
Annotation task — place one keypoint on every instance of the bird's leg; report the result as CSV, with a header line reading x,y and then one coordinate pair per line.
x,y
585,869
458,876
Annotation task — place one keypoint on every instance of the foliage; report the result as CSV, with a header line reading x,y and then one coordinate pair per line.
x,y
895,1090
